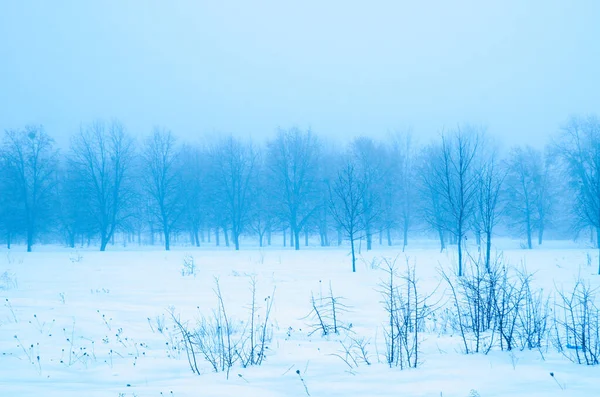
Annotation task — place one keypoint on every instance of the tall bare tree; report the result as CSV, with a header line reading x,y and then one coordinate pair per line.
x,y
103,155
455,176
293,158
405,154
579,147
430,206
194,176
161,171
31,164
369,159
234,165
263,211
527,188
490,181
346,194
11,217
72,201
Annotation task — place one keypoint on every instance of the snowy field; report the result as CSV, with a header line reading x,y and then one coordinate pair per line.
x,y
85,323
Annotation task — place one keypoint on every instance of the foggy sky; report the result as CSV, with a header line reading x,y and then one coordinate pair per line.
x,y
343,68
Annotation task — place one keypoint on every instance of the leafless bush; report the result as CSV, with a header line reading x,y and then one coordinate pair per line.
x,y
8,281
497,307
473,296
577,324
222,341
257,335
189,266
507,290
325,313
533,317
406,310
355,351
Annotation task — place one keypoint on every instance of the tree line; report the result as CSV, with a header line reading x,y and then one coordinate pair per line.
x,y
460,185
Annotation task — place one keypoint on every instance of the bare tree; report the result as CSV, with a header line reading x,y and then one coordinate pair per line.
x,y
455,178
11,217
579,148
31,163
527,191
195,186
263,211
346,204
293,158
430,206
162,180
72,210
234,165
369,161
489,185
103,154
406,156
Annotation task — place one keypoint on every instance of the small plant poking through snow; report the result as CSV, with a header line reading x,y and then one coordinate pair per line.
x,y
189,266
75,257
8,281
406,309
326,312
222,341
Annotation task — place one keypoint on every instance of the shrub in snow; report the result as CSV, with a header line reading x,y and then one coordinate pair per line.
x,y
222,341
407,310
326,312
189,266
577,324
8,281
496,306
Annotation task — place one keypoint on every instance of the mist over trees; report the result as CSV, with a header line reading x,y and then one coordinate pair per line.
x,y
297,189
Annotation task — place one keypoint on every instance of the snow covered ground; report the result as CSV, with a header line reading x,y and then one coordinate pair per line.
x,y
85,323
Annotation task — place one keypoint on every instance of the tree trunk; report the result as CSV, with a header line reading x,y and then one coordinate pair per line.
x,y
8,239
305,238
339,237
442,242
167,235
226,235
197,237
488,249
369,236
297,239
284,238
353,253
528,226
103,242
236,240
260,239
460,254
269,236
598,244
217,237
541,235
380,236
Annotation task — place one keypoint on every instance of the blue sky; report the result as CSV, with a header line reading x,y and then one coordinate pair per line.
x,y
345,68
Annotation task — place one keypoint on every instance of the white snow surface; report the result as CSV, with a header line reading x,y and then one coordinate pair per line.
x,y
58,304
